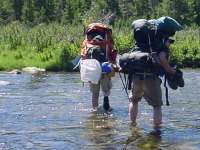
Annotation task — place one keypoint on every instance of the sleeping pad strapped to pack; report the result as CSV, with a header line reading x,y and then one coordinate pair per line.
x,y
138,61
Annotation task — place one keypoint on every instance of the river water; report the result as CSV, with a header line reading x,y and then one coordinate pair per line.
x,y
54,112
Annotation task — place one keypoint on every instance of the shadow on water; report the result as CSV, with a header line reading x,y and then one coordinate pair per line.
x,y
141,141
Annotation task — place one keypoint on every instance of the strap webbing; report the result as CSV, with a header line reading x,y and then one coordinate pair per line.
x,y
124,86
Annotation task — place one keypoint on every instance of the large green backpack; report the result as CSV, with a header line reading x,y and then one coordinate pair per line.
x,y
149,36
167,26
144,33
150,33
142,56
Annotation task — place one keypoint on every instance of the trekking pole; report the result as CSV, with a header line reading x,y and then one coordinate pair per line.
x,y
106,36
166,91
124,86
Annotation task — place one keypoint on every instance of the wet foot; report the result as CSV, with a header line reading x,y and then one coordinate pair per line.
x,y
156,132
133,124
106,104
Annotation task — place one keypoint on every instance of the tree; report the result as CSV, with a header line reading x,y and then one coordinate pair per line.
x,y
197,11
143,8
17,7
5,10
181,11
49,10
60,10
68,12
87,4
77,11
164,9
28,11
113,6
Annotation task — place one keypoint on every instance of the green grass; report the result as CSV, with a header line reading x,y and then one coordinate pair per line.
x,y
186,50
47,46
53,46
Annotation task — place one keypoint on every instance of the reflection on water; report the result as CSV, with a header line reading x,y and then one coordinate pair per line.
x,y
100,131
103,130
143,141
54,112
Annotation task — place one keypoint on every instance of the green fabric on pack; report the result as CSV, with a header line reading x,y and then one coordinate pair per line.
x,y
168,24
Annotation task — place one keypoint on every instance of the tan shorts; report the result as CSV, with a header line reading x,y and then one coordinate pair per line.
x,y
105,83
149,89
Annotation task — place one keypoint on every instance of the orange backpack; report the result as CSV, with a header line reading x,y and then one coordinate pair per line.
x,y
98,35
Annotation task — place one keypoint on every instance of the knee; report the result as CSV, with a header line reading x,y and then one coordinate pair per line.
x,y
95,95
133,105
157,109
134,100
157,115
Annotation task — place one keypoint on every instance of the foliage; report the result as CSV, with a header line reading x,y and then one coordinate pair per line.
x,y
48,33
73,11
53,46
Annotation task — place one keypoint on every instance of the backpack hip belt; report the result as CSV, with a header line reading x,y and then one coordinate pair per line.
x,y
144,75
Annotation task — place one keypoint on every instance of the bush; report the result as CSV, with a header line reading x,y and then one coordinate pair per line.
x,y
53,46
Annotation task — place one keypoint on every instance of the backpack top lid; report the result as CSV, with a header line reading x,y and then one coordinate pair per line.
x,y
168,24
99,34
97,27
143,31
98,38
140,24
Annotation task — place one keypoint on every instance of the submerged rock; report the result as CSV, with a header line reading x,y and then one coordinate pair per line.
x,y
4,83
15,71
34,70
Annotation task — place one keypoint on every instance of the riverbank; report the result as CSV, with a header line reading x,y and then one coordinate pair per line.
x,y
53,46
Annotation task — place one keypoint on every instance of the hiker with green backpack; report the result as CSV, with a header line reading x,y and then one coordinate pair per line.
x,y
147,62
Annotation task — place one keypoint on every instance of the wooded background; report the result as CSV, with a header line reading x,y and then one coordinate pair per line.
x,y
48,33
187,12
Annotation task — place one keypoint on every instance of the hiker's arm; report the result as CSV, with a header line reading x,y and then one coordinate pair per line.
x,y
112,55
83,57
83,50
165,64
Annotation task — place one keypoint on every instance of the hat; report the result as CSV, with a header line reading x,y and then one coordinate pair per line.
x,y
171,41
98,38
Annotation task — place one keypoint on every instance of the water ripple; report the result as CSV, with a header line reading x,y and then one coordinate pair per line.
x,y
54,112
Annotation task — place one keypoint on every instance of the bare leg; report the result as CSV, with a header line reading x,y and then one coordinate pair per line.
x,y
133,111
157,117
95,99
106,86
95,88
